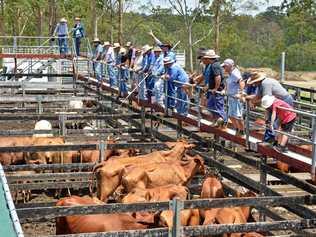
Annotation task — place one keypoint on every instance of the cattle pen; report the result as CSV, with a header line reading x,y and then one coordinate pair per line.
x,y
285,202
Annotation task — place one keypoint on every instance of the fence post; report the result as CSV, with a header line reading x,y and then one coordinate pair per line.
x,y
199,107
313,149
263,182
102,147
166,97
62,125
39,107
176,205
283,67
247,120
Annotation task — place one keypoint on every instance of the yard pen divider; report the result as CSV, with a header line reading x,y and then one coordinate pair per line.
x,y
42,98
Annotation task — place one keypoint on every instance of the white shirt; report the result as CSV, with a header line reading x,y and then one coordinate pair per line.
x,y
109,56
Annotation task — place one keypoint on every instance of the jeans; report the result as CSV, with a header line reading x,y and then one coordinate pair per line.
x,y
98,71
77,45
182,104
112,75
158,91
63,44
150,82
123,80
216,104
141,87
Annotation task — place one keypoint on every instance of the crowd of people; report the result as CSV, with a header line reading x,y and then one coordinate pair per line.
x,y
155,73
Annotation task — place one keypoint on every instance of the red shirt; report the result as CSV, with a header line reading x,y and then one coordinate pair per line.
x,y
284,116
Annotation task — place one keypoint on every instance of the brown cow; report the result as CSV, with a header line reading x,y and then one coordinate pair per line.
x,y
109,173
178,172
251,234
164,193
92,223
189,217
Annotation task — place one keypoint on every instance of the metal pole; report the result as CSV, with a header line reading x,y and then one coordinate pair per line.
x,y
176,205
199,107
283,67
62,125
166,97
143,120
247,125
102,150
263,182
313,150
39,107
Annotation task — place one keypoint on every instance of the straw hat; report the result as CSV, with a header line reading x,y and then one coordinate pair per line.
x,y
116,45
96,40
228,62
128,44
167,60
146,48
210,54
63,19
122,51
267,101
256,77
106,43
168,45
157,49
77,19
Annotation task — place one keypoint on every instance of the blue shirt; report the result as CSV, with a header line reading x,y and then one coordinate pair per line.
x,y
176,73
78,31
171,55
232,82
61,29
207,73
158,67
97,52
144,60
150,60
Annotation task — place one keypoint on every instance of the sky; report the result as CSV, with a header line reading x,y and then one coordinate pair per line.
x,y
261,7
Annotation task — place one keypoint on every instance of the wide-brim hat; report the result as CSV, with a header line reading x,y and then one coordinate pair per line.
x,y
122,51
146,48
210,54
106,43
256,77
96,40
267,101
157,49
116,45
228,62
77,19
63,19
168,45
167,61
128,44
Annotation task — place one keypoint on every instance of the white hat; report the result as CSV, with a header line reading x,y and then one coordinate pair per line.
x,y
128,44
256,77
228,62
146,48
267,101
122,51
167,60
210,54
106,43
96,40
116,45
157,49
63,19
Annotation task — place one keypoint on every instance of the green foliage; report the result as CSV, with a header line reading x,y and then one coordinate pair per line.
x,y
253,41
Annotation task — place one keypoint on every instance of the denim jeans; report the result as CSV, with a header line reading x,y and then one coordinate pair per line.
x,y
63,44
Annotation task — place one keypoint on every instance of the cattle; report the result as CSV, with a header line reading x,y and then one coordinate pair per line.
x,y
109,173
43,125
26,194
251,234
93,223
163,193
188,217
178,172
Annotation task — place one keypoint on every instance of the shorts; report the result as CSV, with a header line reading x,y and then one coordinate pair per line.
x,y
235,108
287,127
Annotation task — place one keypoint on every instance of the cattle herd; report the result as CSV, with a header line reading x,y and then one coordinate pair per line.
x,y
128,177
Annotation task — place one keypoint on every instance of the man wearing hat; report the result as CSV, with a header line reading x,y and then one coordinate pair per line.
x,y
176,78
78,33
97,55
147,69
109,59
123,72
61,31
213,80
131,54
157,71
165,47
234,90
116,48
267,86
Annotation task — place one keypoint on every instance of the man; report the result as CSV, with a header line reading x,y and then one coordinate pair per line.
x,y
234,90
157,72
124,72
131,54
97,55
137,67
116,48
174,75
78,33
109,59
213,81
267,86
140,72
61,31
165,47
147,70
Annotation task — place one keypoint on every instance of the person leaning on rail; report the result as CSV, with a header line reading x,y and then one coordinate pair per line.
x,y
157,71
78,33
234,88
109,59
97,54
124,72
176,77
287,118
